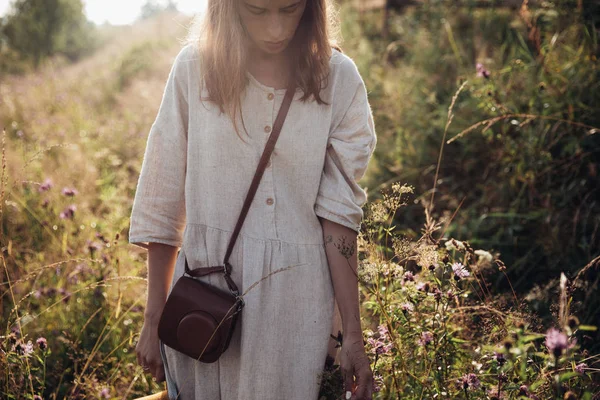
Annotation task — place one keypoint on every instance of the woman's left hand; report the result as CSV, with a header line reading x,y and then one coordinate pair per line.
x,y
355,364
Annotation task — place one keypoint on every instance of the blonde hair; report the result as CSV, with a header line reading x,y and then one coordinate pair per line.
x,y
220,38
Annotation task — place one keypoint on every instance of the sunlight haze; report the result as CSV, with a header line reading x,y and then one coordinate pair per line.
x,y
119,12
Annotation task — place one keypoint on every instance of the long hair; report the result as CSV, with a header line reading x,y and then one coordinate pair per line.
x,y
221,40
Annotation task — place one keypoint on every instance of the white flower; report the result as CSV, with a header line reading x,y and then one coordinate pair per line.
x,y
453,244
484,256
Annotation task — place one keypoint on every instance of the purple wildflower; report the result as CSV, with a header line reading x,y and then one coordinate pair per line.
x,y
580,368
68,212
482,71
69,192
42,343
460,271
407,306
47,185
499,357
523,390
556,342
37,397
408,277
425,339
470,381
379,346
28,349
383,331
105,393
377,383
94,246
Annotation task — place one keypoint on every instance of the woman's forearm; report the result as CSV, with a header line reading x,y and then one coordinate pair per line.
x,y
161,264
341,250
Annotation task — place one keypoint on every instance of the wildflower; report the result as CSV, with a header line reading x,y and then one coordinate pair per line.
x,y
460,271
37,397
383,330
66,295
407,306
437,293
105,393
570,396
423,286
580,368
556,342
47,185
408,277
523,390
482,71
484,256
382,345
28,349
42,343
68,212
377,383
450,295
379,346
93,246
454,244
425,339
470,381
69,192
500,359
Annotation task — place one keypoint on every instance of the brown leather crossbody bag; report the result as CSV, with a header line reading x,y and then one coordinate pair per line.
x,y
198,319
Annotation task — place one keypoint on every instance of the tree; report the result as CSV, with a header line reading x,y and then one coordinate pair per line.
x,y
41,28
153,7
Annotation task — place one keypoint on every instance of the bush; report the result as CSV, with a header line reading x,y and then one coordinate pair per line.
x,y
520,159
38,29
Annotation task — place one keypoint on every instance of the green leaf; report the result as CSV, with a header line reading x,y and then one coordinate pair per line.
x,y
536,384
587,328
531,338
567,375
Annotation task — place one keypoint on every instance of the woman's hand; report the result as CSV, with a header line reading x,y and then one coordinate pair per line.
x,y
355,363
161,265
148,351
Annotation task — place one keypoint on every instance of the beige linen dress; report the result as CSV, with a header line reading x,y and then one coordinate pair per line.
x,y
194,178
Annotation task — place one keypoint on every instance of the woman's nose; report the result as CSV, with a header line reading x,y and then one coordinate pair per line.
x,y
275,28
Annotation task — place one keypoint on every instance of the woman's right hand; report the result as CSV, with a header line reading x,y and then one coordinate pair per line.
x,y
148,351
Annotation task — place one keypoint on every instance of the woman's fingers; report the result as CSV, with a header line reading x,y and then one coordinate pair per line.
x,y
348,382
364,380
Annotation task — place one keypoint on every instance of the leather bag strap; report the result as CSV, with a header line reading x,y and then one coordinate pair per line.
x,y
269,147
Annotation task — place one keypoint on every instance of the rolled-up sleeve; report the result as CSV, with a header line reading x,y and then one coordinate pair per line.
x,y
350,146
158,212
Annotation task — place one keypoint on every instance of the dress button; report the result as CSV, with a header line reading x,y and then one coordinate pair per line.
x,y
267,129
270,96
270,201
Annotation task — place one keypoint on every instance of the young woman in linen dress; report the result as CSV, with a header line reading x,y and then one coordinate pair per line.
x,y
196,171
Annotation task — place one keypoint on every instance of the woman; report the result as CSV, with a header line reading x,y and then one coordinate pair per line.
x,y
220,101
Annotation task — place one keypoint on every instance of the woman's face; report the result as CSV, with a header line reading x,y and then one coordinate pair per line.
x,y
271,24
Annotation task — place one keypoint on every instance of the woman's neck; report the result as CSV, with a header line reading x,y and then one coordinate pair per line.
x,y
270,70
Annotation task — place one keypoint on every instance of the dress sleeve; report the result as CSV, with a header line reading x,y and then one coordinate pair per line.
x,y
350,146
158,213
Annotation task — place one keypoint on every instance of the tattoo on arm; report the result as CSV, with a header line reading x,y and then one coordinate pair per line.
x,y
346,249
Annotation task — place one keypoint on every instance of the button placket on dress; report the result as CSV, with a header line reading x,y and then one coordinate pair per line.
x,y
268,193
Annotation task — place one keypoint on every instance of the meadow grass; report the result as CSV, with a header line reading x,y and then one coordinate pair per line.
x,y
72,290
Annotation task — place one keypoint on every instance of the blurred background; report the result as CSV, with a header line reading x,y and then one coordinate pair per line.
x,y
512,169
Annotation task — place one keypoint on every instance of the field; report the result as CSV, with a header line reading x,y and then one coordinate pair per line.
x,y
480,247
